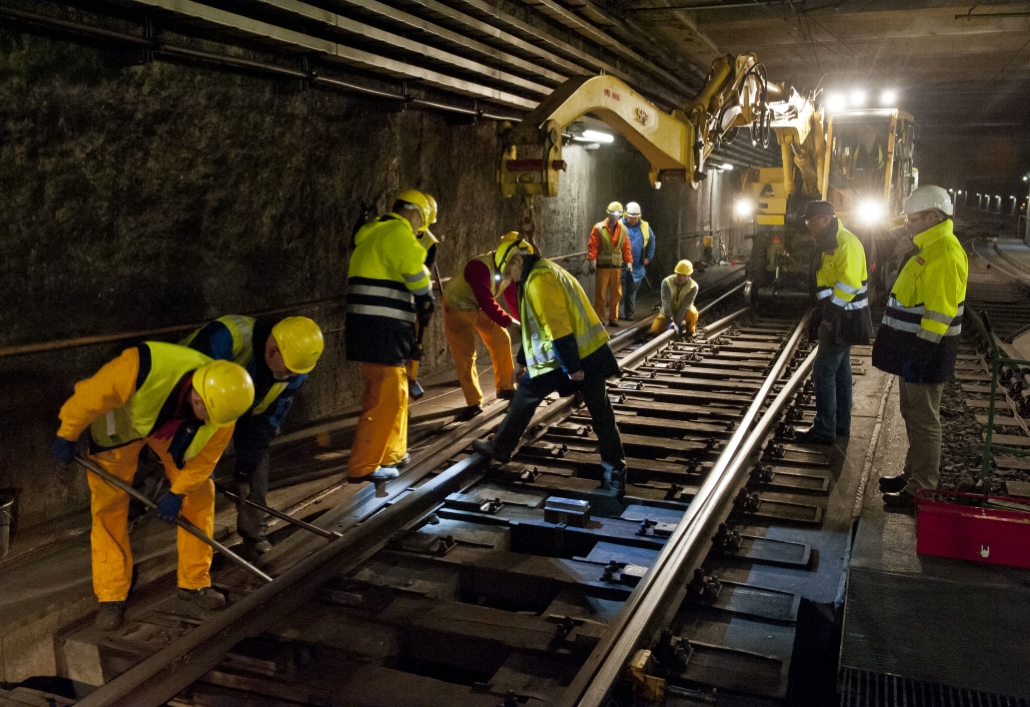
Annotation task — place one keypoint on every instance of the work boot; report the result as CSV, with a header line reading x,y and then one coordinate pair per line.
x,y
506,394
893,484
806,436
110,615
470,412
902,500
487,450
403,462
379,476
614,479
205,599
613,323
252,550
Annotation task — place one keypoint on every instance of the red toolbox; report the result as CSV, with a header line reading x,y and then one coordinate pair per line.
x,y
997,536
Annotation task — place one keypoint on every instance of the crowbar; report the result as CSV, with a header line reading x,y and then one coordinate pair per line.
x,y
328,534
181,522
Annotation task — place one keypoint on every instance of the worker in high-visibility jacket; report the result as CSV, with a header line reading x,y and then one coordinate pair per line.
x,y
919,337
286,351
679,291
426,239
642,246
470,306
182,405
841,318
564,349
388,291
608,251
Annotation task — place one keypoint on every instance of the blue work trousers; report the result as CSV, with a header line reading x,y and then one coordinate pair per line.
x,y
629,293
831,375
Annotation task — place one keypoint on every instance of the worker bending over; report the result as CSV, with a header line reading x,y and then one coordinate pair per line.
x,y
565,349
678,294
919,338
607,252
182,405
642,246
841,318
388,291
286,352
470,306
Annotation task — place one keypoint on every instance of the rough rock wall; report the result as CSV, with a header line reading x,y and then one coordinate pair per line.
x,y
154,196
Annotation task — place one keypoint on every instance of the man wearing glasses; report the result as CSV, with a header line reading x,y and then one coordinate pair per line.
x,y
919,338
842,314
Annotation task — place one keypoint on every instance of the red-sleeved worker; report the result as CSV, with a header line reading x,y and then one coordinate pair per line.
x,y
183,406
608,251
470,306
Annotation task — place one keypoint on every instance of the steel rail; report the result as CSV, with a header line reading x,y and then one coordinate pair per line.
x,y
720,298
635,620
368,527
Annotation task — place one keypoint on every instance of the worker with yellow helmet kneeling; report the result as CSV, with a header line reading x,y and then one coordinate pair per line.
x,y
278,353
470,306
679,291
564,349
183,406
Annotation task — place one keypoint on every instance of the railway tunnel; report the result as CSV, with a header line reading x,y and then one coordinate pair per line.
x,y
166,163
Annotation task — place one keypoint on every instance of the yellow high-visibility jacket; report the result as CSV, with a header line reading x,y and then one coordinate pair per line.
x,y
552,306
123,401
841,286
386,272
921,328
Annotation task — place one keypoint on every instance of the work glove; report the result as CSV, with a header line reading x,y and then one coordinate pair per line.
x,y
591,266
241,489
63,449
169,506
675,327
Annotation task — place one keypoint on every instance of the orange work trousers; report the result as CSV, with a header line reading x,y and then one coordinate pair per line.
x,y
112,554
661,322
381,438
461,328
608,280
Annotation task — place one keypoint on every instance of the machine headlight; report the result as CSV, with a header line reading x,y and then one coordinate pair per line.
x,y
743,208
870,212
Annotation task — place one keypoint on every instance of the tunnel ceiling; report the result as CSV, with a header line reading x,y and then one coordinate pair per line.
x,y
961,68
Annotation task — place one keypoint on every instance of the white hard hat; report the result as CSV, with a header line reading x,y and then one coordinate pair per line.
x,y
929,197
633,209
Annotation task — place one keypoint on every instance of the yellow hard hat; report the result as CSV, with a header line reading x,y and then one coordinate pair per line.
x,y
615,208
419,201
509,236
684,267
432,210
300,342
226,389
508,247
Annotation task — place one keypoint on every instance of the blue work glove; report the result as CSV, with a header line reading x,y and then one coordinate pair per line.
x,y
169,506
63,449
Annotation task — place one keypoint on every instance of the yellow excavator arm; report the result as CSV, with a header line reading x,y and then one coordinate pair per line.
x,y
676,144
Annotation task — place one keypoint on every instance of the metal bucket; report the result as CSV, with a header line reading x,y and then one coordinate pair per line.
x,y
6,503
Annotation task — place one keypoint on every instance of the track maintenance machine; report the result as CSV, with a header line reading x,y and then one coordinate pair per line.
x,y
862,160
677,143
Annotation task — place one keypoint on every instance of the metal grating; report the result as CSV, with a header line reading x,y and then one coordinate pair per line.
x,y
860,688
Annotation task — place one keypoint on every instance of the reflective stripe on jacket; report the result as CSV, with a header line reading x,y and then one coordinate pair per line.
x,y
922,325
386,271
610,250
842,286
122,402
458,294
552,305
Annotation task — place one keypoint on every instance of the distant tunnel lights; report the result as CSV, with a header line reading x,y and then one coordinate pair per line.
x,y
596,136
858,98
888,97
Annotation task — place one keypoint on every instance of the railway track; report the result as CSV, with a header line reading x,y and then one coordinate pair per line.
x,y
525,583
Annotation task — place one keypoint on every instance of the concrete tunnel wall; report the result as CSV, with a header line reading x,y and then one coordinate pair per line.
x,y
156,195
